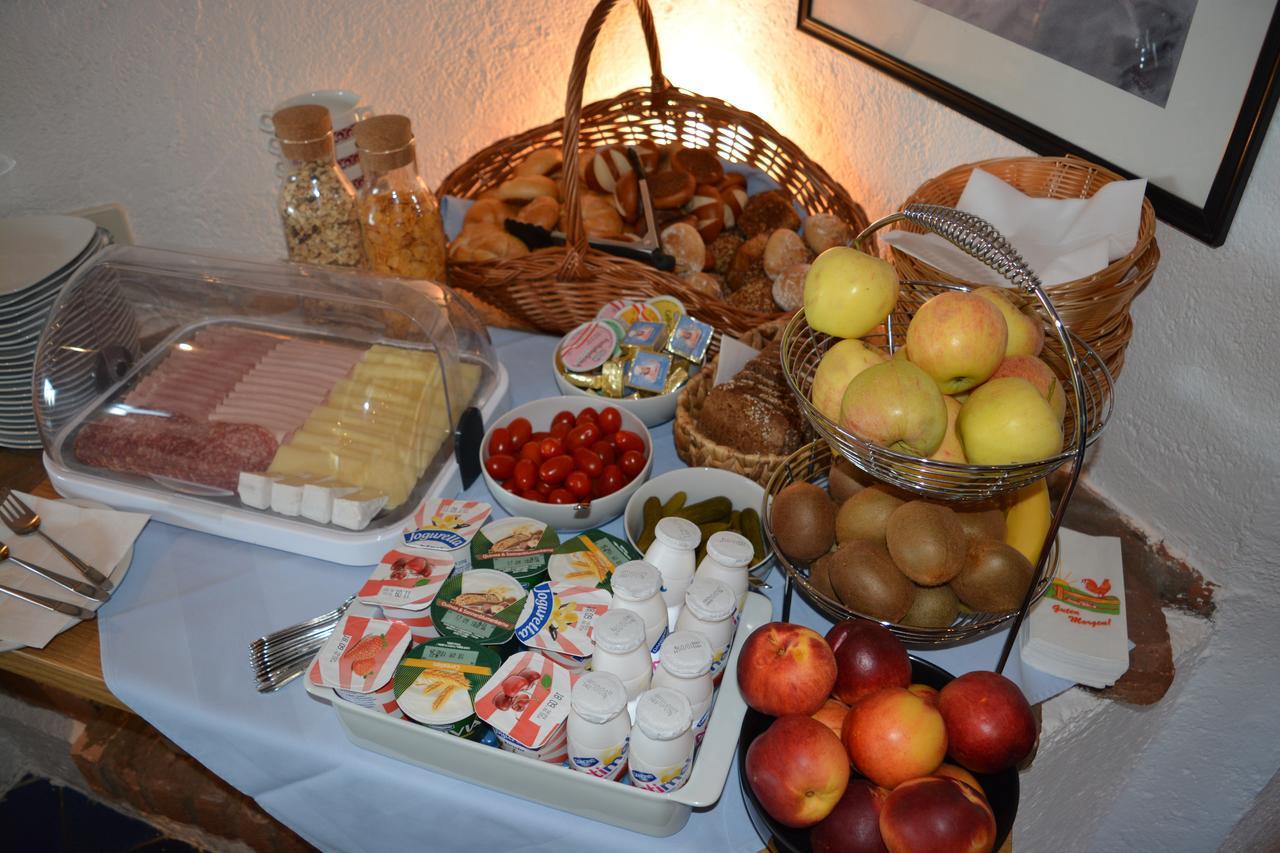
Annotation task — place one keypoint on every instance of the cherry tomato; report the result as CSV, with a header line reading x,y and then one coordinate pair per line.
x,y
526,474
520,429
611,480
610,420
561,496
587,414
588,462
560,430
551,447
555,469
537,437
606,451
632,463
628,440
533,495
530,451
579,483
500,467
510,486
583,435
565,418
500,443
543,489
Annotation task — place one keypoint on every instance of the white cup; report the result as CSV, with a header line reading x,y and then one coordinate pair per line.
x,y
344,111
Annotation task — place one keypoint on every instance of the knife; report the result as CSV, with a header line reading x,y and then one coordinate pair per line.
x,y
48,603
79,587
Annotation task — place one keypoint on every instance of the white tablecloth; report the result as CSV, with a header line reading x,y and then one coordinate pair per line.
x,y
174,648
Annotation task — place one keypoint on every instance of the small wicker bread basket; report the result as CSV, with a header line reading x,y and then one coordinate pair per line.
x,y
695,448
556,289
1095,308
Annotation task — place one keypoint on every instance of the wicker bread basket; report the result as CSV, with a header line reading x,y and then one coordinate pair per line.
x,y
555,289
1095,308
695,448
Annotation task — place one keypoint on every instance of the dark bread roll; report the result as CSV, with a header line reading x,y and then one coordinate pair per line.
x,y
754,411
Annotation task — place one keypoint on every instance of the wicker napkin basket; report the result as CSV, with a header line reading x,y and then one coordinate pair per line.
x,y
1095,308
555,289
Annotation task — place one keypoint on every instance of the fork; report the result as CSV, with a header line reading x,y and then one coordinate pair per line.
x,y
281,656
23,520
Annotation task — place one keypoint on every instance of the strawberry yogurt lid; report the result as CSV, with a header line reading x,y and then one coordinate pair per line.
x,y
527,700
405,581
360,655
558,617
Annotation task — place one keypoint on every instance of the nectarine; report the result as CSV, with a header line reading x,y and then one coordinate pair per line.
x,y
893,735
786,669
797,769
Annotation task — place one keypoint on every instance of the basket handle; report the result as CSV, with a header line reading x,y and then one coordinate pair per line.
x,y
575,235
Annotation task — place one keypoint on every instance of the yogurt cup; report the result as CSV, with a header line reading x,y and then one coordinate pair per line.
x,y
383,699
421,626
557,620
405,581
437,681
519,547
527,703
446,527
482,605
589,558
360,655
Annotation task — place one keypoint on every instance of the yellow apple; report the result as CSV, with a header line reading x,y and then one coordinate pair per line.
x,y
1006,421
958,339
1038,374
840,364
896,405
1026,332
848,293
951,450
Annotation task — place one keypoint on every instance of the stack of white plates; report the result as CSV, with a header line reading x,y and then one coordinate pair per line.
x,y
38,254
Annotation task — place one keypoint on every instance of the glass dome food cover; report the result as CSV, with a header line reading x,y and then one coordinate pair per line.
x,y
298,407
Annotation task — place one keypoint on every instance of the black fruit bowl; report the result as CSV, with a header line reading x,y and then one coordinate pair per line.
x,y
1001,788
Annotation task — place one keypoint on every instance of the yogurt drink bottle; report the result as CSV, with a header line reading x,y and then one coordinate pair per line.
x,y
685,667
599,728
620,650
709,606
672,554
728,558
661,741
637,586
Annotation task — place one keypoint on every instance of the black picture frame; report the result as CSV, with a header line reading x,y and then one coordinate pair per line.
x,y
1209,222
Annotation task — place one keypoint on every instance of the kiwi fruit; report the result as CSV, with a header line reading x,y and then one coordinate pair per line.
x,y
866,580
933,607
803,521
994,578
865,515
926,542
981,521
844,481
820,579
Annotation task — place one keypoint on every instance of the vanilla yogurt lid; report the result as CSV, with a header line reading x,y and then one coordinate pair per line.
x,y
589,558
710,600
619,632
360,655
527,699
686,654
730,549
663,713
520,547
445,525
436,682
636,581
481,605
558,617
598,697
405,581
679,533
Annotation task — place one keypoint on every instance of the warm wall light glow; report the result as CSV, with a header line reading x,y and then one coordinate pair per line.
x,y
185,347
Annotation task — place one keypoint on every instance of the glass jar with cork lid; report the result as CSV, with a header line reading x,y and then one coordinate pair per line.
x,y
399,216
317,202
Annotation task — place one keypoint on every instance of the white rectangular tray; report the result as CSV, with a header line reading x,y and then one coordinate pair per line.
x,y
559,787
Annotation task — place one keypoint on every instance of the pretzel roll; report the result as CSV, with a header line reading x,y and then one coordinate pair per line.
x,y
522,190
702,163
734,197
683,242
543,212
543,162
608,164
626,196
670,189
733,179
708,210
599,217
488,210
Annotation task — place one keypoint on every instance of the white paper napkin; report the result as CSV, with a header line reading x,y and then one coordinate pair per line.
x,y
1060,239
100,537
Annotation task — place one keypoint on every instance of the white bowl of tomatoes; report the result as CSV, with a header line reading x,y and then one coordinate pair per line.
x,y
569,465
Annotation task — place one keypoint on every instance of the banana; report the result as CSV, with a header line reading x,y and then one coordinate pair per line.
x,y
1027,520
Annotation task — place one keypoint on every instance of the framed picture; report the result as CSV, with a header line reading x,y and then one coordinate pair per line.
x,y
1179,92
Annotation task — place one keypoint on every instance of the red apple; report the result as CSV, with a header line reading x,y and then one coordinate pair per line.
x,y
798,770
925,692
958,339
937,814
854,824
868,657
893,735
786,669
989,723
832,714
1038,374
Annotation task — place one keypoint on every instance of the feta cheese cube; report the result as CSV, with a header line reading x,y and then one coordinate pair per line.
x,y
354,511
317,499
255,489
286,494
